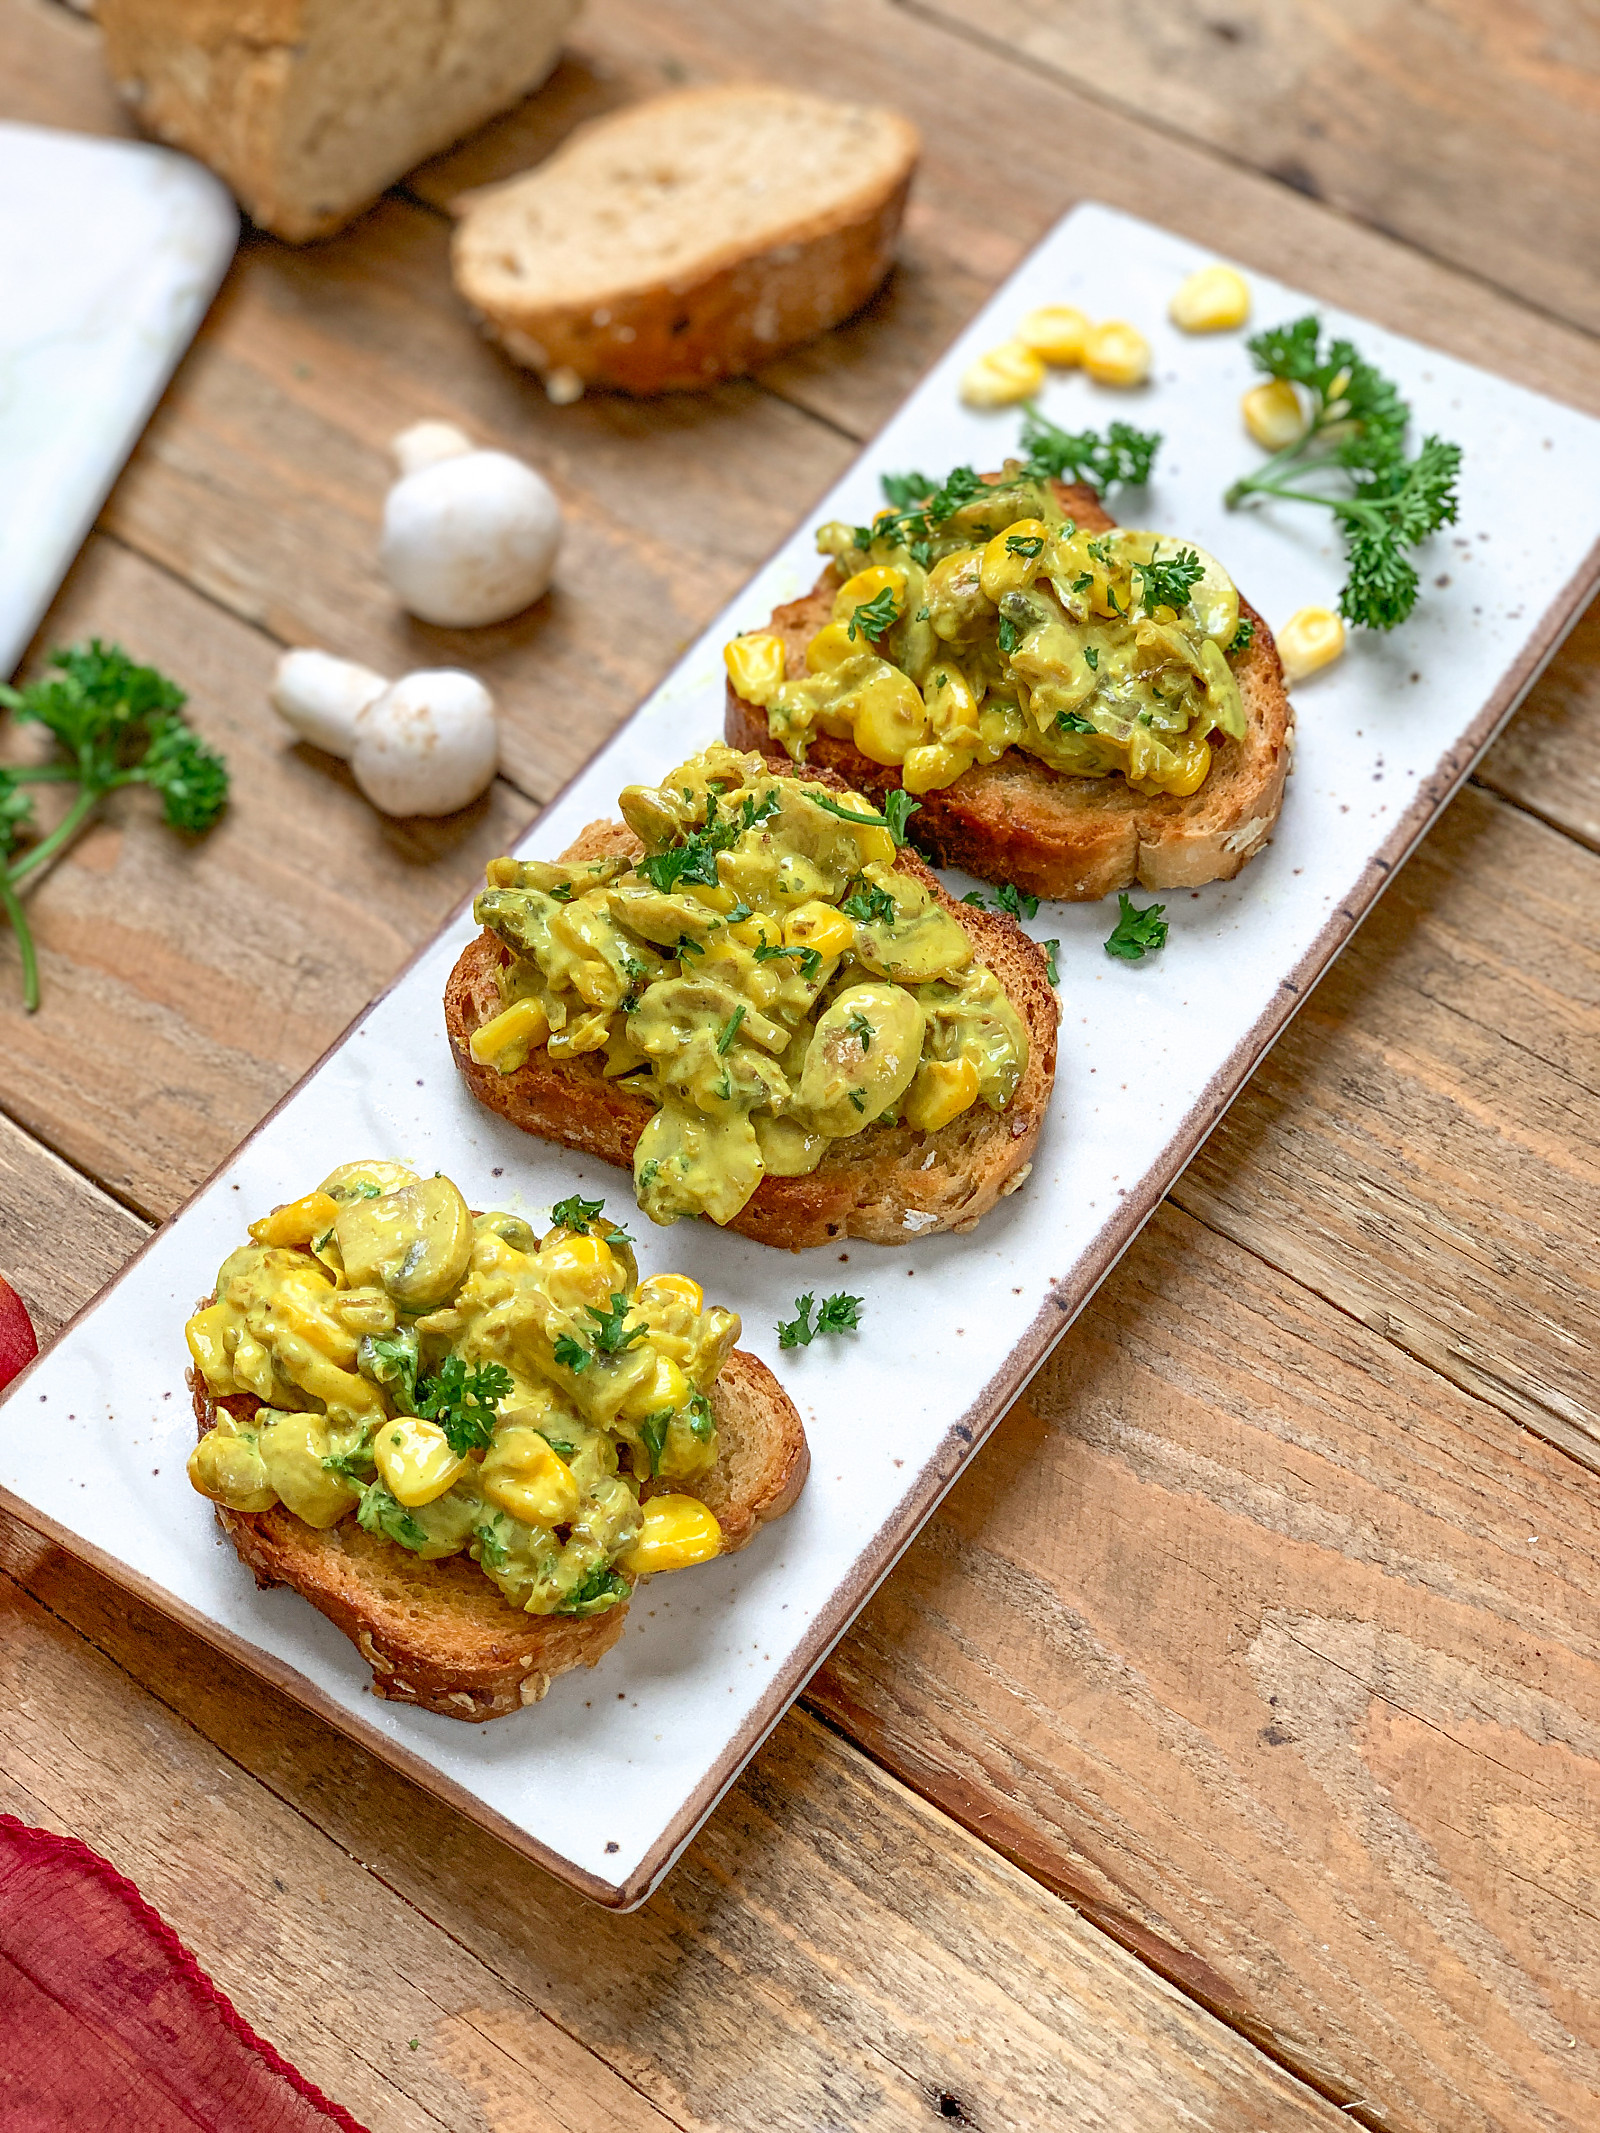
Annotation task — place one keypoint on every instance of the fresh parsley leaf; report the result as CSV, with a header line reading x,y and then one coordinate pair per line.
x,y
355,1465
1052,950
1137,933
579,1215
1074,722
572,1355
1024,544
1170,583
687,946
1357,429
492,1550
977,899
861,1029
870,905
873,617
731,1030
898,808
809,959
602,1588
839,1314
702,1422
653,1434
1124,454
1010,898
1010,635
610,1338
695,860
389,1360
379,1512
907,491
1091,659
463,1402
1244,636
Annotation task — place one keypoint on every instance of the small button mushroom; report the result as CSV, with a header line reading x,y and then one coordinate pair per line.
x,y
469,536
320,696
427,745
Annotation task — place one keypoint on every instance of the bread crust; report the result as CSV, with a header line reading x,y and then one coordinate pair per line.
x,y
739,308
438,1634
887,1185
1070,839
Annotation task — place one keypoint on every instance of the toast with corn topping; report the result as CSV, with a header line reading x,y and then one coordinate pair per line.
x,y
1078,838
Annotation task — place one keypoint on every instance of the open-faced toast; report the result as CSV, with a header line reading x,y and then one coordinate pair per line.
x,y
436,1633
1075,838
888,1184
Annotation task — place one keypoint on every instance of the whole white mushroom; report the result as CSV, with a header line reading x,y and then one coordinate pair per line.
x,y
469,536
424,745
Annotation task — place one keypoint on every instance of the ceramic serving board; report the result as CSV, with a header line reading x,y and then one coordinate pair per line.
x,y
607,1779
110,252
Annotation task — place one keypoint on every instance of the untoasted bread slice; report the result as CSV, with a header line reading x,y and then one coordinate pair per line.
x,y
689,238
888,1185
438,1634
1076,839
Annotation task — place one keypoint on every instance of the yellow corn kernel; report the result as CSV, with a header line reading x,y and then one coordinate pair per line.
x,y
299,1307
933,766
1273,414
1116,353
505,1042
204,1334
1056,333
229,1470
587,1033
1310,638
1012,559
832,646
674,1288
1211,301
1006,374
1194,766
867,585
298,1221
677,1531
526,1476
415,1460
942,1090
952,706
665,1387
591,1259
755,665
888,716
819,926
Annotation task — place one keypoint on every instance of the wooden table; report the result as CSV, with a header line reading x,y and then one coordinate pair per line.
x,y
1227,1752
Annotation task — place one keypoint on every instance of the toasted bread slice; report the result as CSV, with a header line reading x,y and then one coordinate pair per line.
x,y
888,1185
689,238
438,1634
1072,838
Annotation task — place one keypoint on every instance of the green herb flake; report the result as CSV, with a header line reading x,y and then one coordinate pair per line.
x,y
1137,933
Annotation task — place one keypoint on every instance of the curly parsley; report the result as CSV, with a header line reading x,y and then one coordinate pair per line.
x,y
837,1314
1137,933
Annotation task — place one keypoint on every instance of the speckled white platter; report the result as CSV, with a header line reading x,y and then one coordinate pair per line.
x,y
607,1779
110,252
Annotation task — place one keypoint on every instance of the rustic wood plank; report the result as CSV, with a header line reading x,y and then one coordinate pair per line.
x,y
1548,759
1276,1652
1464,128
1420,1147
60,1238
1008,147
189,982
831,1952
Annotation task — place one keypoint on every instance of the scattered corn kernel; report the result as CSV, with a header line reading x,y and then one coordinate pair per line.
x,y
819,926
1055,332
890,716
415,1460
1273,414
505,1041
297,1221
677,1531
942,1090
1116,354
755,665
933,765
1210,301
1006,374
1311,638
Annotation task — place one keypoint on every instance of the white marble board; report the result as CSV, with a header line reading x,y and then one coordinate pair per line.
x,y
607,1779
110,252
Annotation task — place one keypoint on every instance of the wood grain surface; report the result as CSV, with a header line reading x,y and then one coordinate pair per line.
x,y
1229,1741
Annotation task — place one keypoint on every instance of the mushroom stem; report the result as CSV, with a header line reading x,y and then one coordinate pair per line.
x,y
321,697
424,444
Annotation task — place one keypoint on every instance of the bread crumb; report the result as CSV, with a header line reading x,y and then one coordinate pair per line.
x,y
919,1218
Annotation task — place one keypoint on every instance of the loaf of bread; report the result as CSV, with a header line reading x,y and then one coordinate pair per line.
x,y
689,238
309,108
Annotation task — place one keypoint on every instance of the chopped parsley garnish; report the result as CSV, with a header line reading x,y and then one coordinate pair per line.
x,y
610,1337
1024,544
1137,933
1010,635
653,1435
390,1361
702,1422
1052,949
572,1355
1123,454
861,1029
492,1550
686,946
870,905
898,808
920,507
356,1464
1075,722
809,959
838,1314
858,1100
873,617
379,1512
1244,636
1357,429
1091,659
578,1215
695,860
732,1030
463,1402
1170,583
1010,898
602,1588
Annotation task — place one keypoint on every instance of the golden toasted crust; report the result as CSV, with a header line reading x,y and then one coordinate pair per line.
x,y
730,302
438,1634
1070,838
888,1185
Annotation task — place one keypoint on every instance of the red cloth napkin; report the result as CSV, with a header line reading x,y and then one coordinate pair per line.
x,y
107,2022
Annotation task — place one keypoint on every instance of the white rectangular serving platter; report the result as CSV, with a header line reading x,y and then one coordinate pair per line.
x,y
110,252
608,1778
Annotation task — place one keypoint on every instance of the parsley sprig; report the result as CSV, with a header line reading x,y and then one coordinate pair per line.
x,y
613,1336
115,723
837,1314
463,1402
578,1215
1123,455
872,618
1357,428
1137,933
1007,897
898,808
695,860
